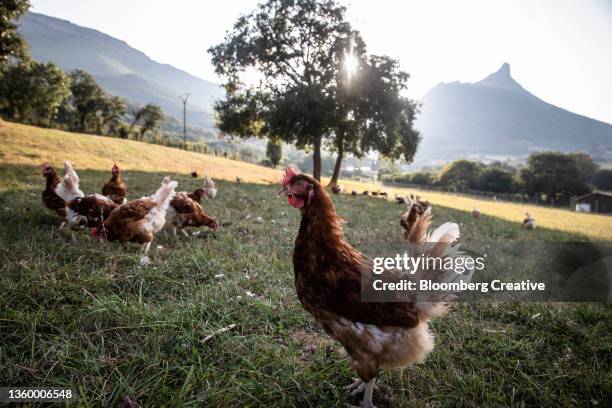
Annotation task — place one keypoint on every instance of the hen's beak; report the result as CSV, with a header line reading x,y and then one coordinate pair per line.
x,y
284,192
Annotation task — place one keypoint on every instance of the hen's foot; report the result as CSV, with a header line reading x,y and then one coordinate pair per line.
x,y
356,387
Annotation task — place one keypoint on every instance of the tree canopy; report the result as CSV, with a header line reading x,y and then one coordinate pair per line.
x,y
150,117
371,114
11,43
284,67
495,180
602,179
554,174
586,166
460,175
87,98
32,92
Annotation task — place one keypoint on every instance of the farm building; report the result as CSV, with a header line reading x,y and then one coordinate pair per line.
x,y
597,202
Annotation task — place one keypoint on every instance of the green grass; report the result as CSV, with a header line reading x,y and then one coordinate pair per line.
x,y
29,145
84,314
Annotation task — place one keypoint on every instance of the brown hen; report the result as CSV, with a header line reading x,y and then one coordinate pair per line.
x,y
185,211
329,274
139,220
115,187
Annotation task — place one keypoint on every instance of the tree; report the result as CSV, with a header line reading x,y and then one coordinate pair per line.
x,y
586,166
110,111
460,175
274,152
291,46
150,116
554,174
12,44
602,179
371,113
87,99
32,92
495,180
422,178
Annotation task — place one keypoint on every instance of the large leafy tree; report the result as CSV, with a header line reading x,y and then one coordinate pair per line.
x,y
90,109
11,43
460,175
150,118
279,72
285,69
87,98
586,166
371,113
111,110
554,174
496,180
32,92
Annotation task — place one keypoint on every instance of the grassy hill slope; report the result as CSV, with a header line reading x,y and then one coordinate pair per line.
x,y
21,144
75,312
27,145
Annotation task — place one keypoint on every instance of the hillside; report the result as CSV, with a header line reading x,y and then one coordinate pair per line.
x,y
27,145
21,144
497,117
119,68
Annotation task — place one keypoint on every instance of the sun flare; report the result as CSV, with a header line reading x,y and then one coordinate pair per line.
x,y
350,64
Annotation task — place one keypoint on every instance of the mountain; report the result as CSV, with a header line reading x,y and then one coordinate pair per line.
x,y
498,118
120,69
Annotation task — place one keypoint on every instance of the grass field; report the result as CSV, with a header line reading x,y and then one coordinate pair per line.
x,y
29,145
84,314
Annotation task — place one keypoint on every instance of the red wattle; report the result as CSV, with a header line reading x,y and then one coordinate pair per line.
x,y
295,201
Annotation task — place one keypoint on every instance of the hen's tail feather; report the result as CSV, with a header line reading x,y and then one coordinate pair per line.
x,y
164,194
418,230
68,189
437,244
443,237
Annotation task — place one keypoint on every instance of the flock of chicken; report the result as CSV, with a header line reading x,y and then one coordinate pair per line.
x,y
112,217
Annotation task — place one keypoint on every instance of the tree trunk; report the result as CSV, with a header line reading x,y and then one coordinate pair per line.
x,y
338,165
316,160
82,120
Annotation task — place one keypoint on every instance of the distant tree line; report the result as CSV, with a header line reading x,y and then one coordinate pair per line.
x,y
42,94
551,177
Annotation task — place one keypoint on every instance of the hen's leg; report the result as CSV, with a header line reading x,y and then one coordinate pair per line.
x,y
174,229
185,233
146,247
367,395
356,387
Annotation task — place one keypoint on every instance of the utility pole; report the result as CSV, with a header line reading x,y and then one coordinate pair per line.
x,y
185,98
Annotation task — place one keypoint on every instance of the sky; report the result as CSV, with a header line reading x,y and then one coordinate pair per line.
x,y
560,50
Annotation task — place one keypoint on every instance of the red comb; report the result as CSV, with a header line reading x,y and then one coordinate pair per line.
x,y
290,172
